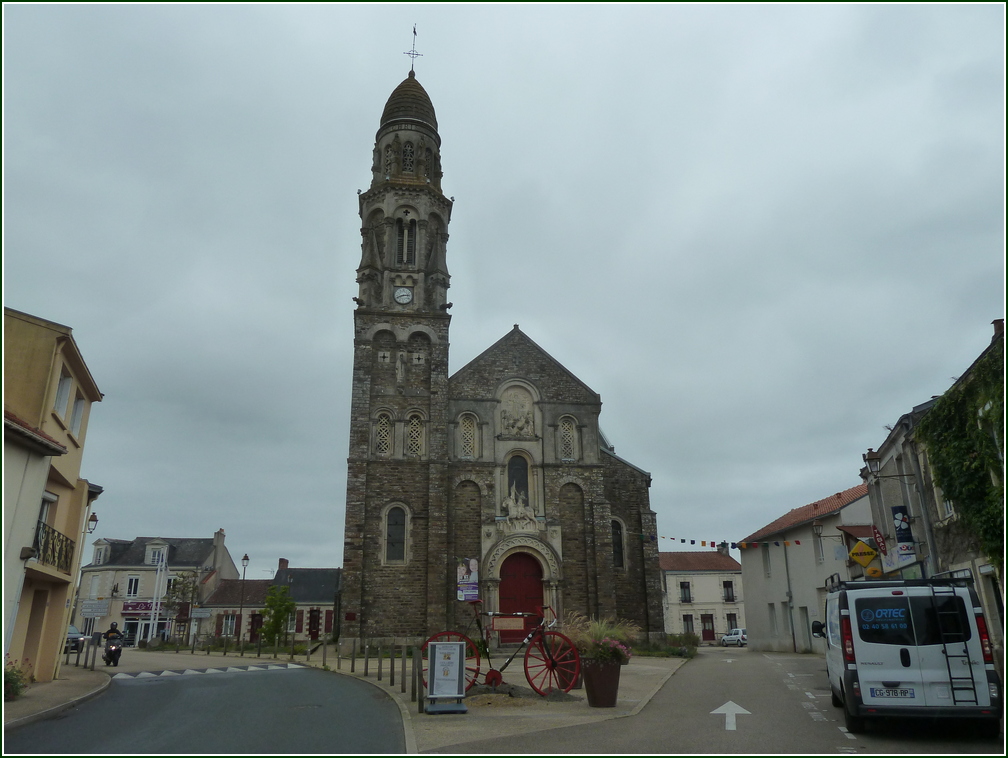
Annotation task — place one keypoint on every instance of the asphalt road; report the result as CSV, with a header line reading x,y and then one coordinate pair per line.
x,y
281,711
787,707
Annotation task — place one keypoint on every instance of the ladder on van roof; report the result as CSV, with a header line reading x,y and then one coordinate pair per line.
x,y
952,633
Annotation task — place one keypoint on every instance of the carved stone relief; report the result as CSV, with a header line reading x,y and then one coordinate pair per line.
x,y
517,420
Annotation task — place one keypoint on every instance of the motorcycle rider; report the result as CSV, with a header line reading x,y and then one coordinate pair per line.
x,y
112,635
113,632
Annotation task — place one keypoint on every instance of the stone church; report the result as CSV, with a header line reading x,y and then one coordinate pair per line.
x,y
495,482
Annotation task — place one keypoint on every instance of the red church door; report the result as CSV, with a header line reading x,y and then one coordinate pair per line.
x,y
521,591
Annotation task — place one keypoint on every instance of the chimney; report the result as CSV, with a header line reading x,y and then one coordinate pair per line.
x,y
723,548
998,329
282,564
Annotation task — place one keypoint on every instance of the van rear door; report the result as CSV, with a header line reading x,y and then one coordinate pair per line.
x,y
888,658
951,661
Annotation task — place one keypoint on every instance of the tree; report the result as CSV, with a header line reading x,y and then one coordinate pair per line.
x,y
276,610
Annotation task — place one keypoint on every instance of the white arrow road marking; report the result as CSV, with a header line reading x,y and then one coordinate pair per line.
x,y
730,711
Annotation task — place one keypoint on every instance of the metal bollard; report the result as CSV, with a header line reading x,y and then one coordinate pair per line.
x,y
391,668
420,686
259,646
414,678
324,646
353,657
367,657
379,662
402,677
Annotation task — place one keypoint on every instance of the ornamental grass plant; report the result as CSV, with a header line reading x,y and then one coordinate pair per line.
x,y
606,640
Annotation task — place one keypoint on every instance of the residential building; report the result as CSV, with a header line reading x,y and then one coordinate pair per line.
x,y
494,482
48,394
237,610
703,593
127,581
920,526
786,563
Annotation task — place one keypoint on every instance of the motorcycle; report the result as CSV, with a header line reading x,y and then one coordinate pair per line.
x,y
113,649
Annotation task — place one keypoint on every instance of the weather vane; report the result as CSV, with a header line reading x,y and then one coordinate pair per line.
x,y
413,54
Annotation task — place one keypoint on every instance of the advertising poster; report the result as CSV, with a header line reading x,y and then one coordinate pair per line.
x,y
904,537
447,679
467,571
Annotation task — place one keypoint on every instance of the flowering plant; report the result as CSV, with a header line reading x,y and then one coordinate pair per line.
x,y
604,640
17,675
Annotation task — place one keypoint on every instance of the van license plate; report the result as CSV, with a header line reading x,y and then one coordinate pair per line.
x,y
892,692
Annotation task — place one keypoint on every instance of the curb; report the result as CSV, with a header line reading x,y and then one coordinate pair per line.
x,y
50,712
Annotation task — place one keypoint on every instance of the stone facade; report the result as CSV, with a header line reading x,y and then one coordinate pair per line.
x,y
503,458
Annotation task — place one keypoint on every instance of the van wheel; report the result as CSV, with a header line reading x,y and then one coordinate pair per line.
x,y
835,698
854,724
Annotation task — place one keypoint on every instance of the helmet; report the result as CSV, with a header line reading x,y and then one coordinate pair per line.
x,y
114,625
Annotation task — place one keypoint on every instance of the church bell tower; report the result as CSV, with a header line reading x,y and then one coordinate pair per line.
x,y
395,559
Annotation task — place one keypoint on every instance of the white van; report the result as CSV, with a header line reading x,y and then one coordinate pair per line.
x,y
909,649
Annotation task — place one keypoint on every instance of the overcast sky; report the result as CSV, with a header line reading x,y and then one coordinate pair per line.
x,y
760,232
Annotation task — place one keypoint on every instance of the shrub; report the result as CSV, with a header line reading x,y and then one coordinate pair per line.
x,y
605,639
17,675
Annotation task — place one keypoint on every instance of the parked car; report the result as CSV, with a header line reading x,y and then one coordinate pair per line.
x,y
734,637
74,640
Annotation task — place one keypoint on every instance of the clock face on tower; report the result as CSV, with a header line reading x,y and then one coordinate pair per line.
x,y
403,295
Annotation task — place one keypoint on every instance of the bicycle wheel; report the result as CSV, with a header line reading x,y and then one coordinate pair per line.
x,y
552,663
472,661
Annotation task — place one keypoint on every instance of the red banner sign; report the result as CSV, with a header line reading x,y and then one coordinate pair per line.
x,y
879,540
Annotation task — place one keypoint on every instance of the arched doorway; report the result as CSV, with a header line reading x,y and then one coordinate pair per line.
x,y
521,591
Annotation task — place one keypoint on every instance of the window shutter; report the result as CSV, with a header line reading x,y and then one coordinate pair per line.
x,y
238,626
220,625
328,621
300,622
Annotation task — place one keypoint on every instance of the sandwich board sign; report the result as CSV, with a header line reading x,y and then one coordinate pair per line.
x,y
446,677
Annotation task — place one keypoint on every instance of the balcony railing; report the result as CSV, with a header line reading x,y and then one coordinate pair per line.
x,y
53,548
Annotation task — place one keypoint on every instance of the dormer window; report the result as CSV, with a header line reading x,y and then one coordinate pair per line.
x,y
157,554
100,553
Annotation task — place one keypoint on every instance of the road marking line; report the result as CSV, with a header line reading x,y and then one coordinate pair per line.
x,y
730,710
809,694
169,673
213,671
846,734
144,674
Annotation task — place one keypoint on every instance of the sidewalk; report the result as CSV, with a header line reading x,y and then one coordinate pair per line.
x,y
490,715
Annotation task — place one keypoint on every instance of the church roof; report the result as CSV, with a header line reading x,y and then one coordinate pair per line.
x,y
516,355
409,102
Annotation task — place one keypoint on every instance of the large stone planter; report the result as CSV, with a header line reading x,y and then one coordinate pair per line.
x,y
601,682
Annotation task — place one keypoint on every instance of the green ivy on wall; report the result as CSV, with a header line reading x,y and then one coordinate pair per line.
x,y
962,433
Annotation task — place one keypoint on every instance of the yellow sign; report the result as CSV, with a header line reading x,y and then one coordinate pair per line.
x,y
862,553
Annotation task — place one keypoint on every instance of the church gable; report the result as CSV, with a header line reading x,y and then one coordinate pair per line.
x,y
516,356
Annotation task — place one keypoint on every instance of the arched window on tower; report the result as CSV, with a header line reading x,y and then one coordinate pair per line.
x,y
383,435
617,544
407,157
414,436
406,242
467,437
429,163
388,161
395,534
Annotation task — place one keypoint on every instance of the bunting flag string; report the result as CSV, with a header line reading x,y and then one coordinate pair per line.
x,y
715,543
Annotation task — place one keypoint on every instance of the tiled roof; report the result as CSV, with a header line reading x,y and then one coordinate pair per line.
x,y
708,560
182,551
310,585
229,593
36,436
825,507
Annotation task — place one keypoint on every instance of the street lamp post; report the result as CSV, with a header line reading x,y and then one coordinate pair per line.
x,y
241,606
